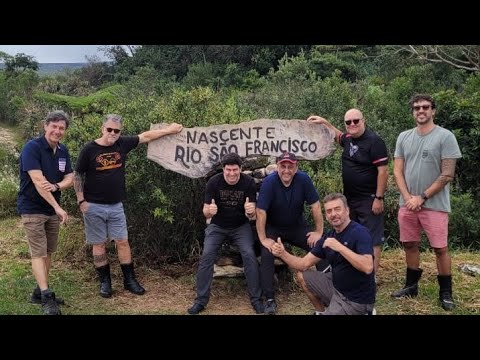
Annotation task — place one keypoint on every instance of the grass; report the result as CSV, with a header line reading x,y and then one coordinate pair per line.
x,y
171,289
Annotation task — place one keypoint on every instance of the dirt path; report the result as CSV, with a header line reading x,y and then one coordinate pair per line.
x,y
7,138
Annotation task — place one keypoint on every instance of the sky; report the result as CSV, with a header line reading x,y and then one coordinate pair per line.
x,y
56,53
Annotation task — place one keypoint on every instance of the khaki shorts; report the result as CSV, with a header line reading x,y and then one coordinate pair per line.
x,y
42,233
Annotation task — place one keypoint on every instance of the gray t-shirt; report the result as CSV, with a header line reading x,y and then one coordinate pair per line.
x,y
423,155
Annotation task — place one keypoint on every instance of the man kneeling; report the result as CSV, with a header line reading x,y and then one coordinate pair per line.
x,y
349,289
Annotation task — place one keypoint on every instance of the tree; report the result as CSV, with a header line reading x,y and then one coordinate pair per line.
x,y
18,63
466,57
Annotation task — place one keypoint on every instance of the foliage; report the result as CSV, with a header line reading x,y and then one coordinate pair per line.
x,y
19,63
78,105
464,227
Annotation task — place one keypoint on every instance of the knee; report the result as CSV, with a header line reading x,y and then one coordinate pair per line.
x,y
441,251
300,279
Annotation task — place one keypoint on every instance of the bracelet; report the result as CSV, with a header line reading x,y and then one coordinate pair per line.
x,y
81,202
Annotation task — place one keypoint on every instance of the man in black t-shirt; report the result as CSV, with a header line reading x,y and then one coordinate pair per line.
x,y
230,199
100,187
364,174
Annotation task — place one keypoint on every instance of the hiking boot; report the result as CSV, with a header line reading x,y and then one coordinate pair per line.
x,y
36,297
411,284
49,305
446,301
196,309
271,307
259,307
105,281
445,292
408,291
130,282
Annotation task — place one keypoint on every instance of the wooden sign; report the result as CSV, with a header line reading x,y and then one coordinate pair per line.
x,y
194,152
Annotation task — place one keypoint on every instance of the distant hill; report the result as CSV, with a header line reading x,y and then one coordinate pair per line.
x,y
51,68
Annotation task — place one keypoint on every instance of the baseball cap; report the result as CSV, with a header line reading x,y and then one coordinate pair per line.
x,y
287,156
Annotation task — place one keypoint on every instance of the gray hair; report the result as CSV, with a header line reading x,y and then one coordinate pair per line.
x,y
56,116
336,196
114,117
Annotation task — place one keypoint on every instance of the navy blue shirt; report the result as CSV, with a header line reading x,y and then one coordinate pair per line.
x,y
285,205
355,285
38,155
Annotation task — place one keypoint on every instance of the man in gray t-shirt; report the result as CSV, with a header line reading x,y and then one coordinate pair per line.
x,y
425,159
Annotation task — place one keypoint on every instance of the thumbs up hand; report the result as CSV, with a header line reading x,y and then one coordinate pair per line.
x,y
278,248
249,208
212,208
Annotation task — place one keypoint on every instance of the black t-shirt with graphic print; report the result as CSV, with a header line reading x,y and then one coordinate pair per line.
x,y
360,159
104,167
230,199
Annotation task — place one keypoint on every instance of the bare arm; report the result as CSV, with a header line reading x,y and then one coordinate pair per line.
x,y
261,224
320,120
295,262
38,179
382,177
150,135
66,182
398,172
78,183
446,176
314,236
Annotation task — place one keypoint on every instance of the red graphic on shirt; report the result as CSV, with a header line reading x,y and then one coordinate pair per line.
x,y
108,161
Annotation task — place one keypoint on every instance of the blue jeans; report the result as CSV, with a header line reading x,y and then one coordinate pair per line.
x,y
214,238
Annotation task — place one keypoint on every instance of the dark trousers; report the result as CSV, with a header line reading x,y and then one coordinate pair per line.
x,y
214,238
294,236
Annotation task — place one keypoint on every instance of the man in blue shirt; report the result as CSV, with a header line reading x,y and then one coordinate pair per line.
x,y
349,289
45,170
280,205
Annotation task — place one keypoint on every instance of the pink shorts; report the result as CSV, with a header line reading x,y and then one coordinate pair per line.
x,y
434,223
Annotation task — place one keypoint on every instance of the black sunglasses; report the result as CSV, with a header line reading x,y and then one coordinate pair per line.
x,y
424,107
116,131
355,121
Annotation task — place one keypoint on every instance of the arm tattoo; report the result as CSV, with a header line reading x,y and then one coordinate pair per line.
x,y
78,181
448,171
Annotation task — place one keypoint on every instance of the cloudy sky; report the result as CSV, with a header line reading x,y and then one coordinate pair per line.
x,y
56,53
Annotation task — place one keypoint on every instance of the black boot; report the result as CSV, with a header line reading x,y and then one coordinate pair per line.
x,y
129,281
445,293
411,284
105,281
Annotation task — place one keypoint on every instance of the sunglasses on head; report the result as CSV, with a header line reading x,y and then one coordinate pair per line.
x,y
424,107
355,121
116,131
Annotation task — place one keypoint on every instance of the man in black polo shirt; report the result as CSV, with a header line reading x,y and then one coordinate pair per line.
x,y
364,173
45,170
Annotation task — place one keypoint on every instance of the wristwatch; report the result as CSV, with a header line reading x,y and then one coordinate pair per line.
x,y
379,197
424,196
57,187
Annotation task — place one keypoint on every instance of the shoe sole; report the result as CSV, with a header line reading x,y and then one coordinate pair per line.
x,y
39,301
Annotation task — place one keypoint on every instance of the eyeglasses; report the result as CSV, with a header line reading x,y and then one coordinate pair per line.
x,y
349,122
424,107
116,131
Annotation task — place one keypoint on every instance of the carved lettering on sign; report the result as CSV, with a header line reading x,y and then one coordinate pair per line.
x,y
195,151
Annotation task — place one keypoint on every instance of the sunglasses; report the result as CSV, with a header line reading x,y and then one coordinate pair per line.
x,y
116,131
424,107
349,122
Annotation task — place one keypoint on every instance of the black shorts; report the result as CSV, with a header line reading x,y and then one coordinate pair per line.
x,y
361,212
